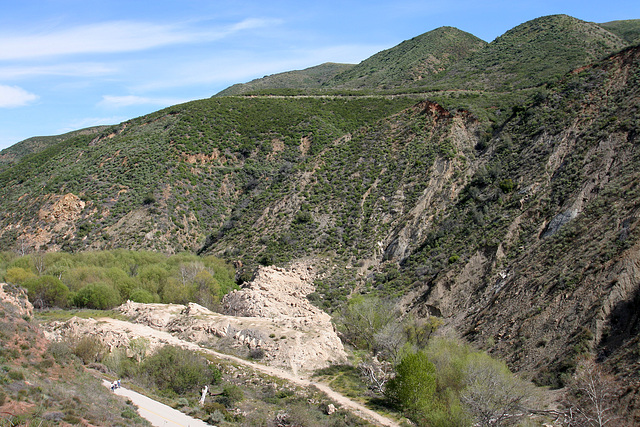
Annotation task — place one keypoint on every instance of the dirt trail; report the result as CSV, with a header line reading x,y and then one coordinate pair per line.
x,y
165,337
158,414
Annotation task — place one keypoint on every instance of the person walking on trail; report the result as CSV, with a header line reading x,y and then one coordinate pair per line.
x,y
118,383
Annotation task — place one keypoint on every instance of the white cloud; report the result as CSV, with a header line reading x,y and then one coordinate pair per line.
x,y
111,101
112,37
14,96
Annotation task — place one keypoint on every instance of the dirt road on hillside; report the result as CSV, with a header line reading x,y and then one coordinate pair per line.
x,y
166,338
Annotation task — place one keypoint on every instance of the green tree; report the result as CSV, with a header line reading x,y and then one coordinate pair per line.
x,y
47,291
414,385
18,275
143,296
97,295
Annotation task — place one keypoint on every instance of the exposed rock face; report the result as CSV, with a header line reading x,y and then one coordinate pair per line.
x,y
276,318
11,296
274,293
62,209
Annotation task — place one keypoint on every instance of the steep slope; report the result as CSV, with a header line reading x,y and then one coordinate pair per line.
x,y
165,180
412,60
538,258
531,54
309,78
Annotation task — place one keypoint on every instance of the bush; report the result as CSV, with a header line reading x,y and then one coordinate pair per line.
x,y
99,296
178,371
142,296
89,350
47,291
231,395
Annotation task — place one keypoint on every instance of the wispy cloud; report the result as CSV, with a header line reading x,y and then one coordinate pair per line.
x,y
83,69
111,101
113,37
14,96
239,66
89,122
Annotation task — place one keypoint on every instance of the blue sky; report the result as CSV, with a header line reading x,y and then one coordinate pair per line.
x,y
70,64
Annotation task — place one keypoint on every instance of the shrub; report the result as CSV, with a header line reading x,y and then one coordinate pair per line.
x,y
142,296
231,395
97,295
177,370
89,350
47,291
507,185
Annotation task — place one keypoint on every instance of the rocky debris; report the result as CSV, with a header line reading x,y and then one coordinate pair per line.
x,y
65,209
276,321
15,298
275,293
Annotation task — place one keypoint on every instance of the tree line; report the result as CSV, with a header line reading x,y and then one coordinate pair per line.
x,y
105,279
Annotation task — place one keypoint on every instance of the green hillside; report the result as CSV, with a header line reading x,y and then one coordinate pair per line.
x,y
165,180
531,54
412,60
309,78
13,154
628,30
498,192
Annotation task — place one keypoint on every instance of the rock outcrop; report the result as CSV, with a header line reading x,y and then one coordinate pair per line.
x,y
15,298
270,316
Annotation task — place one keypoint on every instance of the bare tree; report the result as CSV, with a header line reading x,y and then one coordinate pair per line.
x,y
376,373
493,395
593,395
390,341
39,262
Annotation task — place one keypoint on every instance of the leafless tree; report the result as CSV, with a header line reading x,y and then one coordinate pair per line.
x,y
376,373
39,263
493,395
593,397
390,341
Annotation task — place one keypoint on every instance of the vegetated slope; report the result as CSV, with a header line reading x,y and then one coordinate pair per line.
x,y
310,78
531,54
628,30
524,237
410,61
45,384
13,154
166,180
537,257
